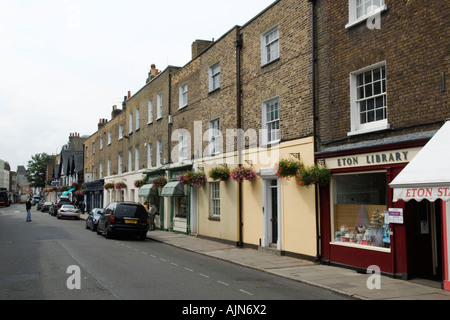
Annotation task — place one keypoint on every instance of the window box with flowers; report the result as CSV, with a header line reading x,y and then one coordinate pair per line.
x,y
286,168
221,173
192,179
239,174
315,174
120,185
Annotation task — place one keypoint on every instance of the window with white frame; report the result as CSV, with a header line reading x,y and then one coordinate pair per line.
x,y
119,164
136,159
214,77
270,45
130,160
360,10
149,155
214,137
159,106
159,152
150,111
183,146
215,199
130,123
100,171
108,168
120,131
101,143
109,138
183,96
368,96
138,119
93,148
271,121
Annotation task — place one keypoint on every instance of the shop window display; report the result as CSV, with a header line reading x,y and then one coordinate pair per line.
x,y
360,203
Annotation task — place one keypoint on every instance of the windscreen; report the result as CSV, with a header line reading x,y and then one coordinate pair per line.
x,y
130,211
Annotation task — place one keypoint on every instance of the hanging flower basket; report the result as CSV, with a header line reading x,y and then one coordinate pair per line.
x,y
109,186
221,173
75,185
81,193
308,176
193,179
159,182
287,168
243,173
120,185
140,183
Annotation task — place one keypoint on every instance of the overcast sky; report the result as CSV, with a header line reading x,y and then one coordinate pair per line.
x,y
65,63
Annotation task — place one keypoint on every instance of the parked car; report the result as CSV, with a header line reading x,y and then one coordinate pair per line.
x,y
39,205
126,218
54,209
68,210
93,217
45,207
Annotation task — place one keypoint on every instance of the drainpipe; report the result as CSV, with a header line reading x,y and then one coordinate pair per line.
x,y
314,105
238,45
169,125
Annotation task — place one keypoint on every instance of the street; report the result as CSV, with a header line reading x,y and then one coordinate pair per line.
x,y
47,258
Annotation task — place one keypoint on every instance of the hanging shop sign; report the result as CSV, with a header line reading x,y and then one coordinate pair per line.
x,y
395,215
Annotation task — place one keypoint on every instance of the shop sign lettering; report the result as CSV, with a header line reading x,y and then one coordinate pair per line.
x,y
373,159
427,192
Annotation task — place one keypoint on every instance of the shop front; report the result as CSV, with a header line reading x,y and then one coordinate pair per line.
x,y
179,200
94,194
361,225
424,186
151,194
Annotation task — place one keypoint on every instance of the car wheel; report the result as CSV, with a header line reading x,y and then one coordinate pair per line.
x,y
107,233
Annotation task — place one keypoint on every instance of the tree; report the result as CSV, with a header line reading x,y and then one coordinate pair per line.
x,y
37,169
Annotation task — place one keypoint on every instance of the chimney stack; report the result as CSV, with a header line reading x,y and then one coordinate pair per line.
x,y
198,46
152,74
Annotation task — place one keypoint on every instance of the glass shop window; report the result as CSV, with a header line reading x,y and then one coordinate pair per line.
x,y
360,202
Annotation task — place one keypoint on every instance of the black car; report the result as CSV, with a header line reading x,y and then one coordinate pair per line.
x,y
127,218
92,219
54,208
45,207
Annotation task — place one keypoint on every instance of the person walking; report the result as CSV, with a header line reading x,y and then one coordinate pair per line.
x,y
28,207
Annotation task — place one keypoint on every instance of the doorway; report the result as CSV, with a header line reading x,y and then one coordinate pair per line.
x,y
271,213
425,236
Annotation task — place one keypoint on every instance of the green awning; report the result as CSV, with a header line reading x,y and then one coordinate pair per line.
x,y
147,191
173,189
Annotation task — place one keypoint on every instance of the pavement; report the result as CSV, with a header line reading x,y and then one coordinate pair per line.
x,y
344,281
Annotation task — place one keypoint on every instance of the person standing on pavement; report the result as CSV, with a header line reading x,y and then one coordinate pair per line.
x,y
28,207
152,212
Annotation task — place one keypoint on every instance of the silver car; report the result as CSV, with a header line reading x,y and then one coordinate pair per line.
x,y
68,210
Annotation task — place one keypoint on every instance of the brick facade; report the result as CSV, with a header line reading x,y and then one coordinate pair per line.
x,y
412,41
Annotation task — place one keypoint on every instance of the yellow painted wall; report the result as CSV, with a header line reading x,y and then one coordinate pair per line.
x,y
298,217
227,227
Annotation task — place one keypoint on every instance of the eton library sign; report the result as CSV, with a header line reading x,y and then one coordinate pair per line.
x,y
372,159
